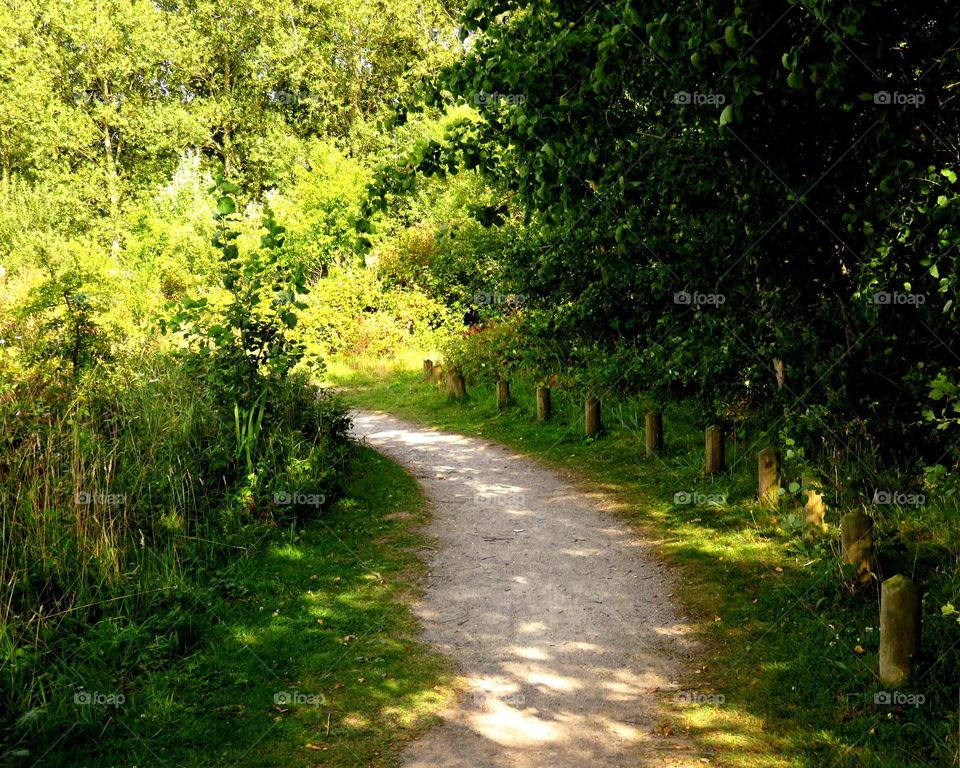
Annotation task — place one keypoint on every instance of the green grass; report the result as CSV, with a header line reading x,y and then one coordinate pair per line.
x,y
320,612
793,652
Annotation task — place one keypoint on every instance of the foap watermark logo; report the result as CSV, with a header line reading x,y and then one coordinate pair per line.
x,y
298,699
898,699
295,98
81,98
895,298
695,698
696,99
686,498
287,498
485,701
898,99
98,699
89,498
885,498
697,299
491,299
498,500
513,99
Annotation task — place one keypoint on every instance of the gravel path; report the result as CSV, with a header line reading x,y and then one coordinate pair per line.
x,y
556,613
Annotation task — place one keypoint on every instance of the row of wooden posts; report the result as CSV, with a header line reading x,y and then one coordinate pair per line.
x,y
899,596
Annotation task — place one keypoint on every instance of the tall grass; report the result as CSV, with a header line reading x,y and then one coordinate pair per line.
x,y
121,494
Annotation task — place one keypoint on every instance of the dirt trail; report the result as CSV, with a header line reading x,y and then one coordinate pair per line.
x,y
556,613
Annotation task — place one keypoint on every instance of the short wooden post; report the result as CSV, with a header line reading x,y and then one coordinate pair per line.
x,y
591,417
428,370
438,375
456,386
653,432
899,629
714,449
768,471
814,508
544,406
503,393
856,542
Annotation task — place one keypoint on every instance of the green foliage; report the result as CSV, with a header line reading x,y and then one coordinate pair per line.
x,y
116,507
354,311
242,345
735,152
488,352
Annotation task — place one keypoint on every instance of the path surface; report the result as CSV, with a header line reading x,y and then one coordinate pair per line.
x,y
556,613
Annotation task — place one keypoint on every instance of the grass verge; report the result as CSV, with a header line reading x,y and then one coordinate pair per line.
x,y
789,674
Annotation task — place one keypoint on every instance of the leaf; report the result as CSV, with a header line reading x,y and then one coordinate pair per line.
x,y
795,79
727,115
226,206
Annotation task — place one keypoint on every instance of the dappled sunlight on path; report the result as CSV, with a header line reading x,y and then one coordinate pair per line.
x,y
557,615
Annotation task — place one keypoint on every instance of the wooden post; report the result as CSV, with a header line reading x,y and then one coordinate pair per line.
x,y
899,629
544,406
653,432
428,370
503,393
814,508
714,449
768,471
456,386
591,417
437,375
856,541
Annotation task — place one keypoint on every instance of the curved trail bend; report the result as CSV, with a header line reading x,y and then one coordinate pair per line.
x,y
556,613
